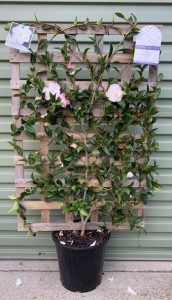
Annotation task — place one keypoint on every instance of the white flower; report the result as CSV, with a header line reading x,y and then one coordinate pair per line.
x,y
21,34
18,282
63,243
38,98
114,93
73,145
53,88
43,116
111,279
61,233
64,101
131,291
130,175
93,244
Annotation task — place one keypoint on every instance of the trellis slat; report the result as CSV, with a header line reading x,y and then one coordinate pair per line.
x,y
74,58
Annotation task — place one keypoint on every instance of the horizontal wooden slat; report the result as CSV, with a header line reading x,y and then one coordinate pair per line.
x,y
166,90
4,54
37,204
165,108
26,183
105,29
69,226
24,137
7,159
75,58
7,176
83,84
55,204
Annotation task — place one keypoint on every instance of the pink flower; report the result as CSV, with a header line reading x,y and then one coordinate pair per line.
x,y
64,101
114,93
70,68
53,88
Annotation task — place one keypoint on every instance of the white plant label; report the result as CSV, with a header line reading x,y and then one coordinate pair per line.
x,y
148,45
19,36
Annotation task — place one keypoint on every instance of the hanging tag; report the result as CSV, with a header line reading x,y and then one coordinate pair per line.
x,y
19,36
148,45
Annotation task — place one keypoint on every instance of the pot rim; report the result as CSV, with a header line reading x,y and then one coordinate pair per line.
x,y
74,248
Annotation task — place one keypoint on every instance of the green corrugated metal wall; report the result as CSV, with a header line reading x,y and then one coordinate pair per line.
x,y
157,243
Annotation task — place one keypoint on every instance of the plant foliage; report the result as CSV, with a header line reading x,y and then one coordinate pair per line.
x,y
100,148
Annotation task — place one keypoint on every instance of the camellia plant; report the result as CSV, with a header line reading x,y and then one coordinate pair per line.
x,y
101,135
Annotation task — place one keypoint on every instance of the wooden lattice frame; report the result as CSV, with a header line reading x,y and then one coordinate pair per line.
x,y
21,183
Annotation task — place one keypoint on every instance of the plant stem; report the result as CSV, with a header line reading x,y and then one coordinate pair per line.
x,y
84,221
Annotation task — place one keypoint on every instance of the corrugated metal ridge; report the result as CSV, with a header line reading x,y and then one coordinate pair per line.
x,y
89,1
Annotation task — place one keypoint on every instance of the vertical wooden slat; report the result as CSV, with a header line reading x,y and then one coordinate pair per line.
x,y
94,216
69,216
153,71
126,68
43,146
100,42
19,169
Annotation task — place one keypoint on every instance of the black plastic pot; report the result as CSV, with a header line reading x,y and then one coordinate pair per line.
x,y
80,268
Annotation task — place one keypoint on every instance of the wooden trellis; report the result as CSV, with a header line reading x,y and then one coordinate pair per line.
x,y
17,59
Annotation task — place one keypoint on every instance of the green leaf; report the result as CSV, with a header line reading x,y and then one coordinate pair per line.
x,y
134,221
83,27
134,18
7,26
39,168
14,208
13,127
32,158
68,158
36,17
160,77
31,106
110,50
86,21
57,28
30,130
98,189
12,197
17,148
79,148
47,27
119,30
83,212
120,15
43,44
75,21
100,21
48,131
130,20
33,57
85,53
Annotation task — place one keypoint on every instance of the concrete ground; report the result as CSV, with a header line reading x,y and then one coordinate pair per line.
x,y
39,280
